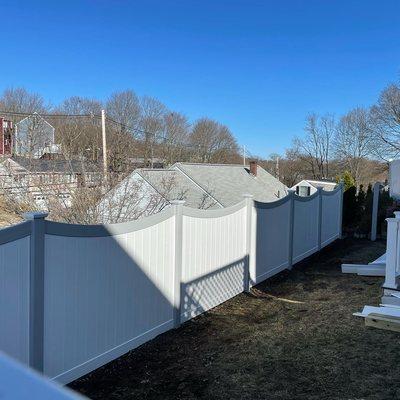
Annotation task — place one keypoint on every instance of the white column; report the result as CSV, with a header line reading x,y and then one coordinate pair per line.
x,y
392,250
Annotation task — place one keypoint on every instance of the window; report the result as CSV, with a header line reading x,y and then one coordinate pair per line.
x,y
303,190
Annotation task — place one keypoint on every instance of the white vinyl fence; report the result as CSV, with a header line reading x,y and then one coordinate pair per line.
x,y
74,297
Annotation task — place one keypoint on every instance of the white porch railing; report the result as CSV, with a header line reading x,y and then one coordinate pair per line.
x,y
392,252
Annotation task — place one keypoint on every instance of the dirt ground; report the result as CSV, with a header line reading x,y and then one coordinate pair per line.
x,y
293,337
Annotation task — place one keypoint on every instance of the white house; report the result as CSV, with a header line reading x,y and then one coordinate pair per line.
x,y
202,186
307,187
38,179
33,135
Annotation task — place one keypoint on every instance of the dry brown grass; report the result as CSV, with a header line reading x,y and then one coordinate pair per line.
x,y
293,337
8,213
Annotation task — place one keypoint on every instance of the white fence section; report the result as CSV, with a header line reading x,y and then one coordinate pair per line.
x,y
214,257
105,294
331,215
74,297
306,226
14,291
271,225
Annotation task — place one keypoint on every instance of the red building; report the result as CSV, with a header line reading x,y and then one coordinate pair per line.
x,y
6,136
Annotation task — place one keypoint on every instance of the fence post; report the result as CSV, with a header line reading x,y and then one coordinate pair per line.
x,y
375,204
178,208
291,193
392,253
249,211
36,289
341,209
319,190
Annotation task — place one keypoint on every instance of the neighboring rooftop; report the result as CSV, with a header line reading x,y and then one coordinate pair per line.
x,y
38,165
226,183
324,184
173,185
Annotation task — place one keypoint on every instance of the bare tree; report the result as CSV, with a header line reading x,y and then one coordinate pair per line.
x,y
176,134
151,124
212,141
353,141
124,108
79,136
20,100
386,119
315,147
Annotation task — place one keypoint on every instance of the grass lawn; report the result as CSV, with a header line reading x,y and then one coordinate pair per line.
x,y
292,337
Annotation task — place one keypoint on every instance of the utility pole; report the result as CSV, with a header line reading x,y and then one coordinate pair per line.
x,y
277,167
244,155
103,131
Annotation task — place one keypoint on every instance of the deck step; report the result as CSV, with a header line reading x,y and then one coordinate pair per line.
x,y
390,301
386,310
364,269
380,321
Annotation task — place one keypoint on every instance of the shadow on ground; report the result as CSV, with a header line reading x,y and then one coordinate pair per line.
x,y
293,337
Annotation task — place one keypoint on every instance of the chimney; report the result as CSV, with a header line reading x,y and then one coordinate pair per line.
x,y
253,168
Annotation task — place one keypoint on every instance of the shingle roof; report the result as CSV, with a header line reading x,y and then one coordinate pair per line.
x,y
227,183
67,166
326,185
173,185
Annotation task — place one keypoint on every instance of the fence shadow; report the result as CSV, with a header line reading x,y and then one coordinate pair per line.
x,y
209,290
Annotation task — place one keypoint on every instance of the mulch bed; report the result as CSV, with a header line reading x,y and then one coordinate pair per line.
x,y
292,337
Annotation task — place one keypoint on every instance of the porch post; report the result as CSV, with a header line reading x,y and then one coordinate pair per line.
x,y
392,258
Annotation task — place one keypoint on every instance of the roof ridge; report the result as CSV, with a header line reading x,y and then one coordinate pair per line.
x,y
214,164
199,186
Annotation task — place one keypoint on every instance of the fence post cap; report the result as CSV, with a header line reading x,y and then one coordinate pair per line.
x,y
177,202
247,196
397,214
291,191
35,215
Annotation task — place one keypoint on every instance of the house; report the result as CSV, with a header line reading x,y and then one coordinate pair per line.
x,y
142,162
307,187
33,135
6,137
38,178
202,186
394,179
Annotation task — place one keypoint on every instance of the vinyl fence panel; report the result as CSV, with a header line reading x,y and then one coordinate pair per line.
x,y
271,238
214,254
331,216
305,226
101,291
105,295
14,292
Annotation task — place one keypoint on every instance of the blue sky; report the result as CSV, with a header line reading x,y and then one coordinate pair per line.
x,y
257,66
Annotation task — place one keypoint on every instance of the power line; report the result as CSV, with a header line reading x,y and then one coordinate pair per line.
x,y
27,114
128,128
